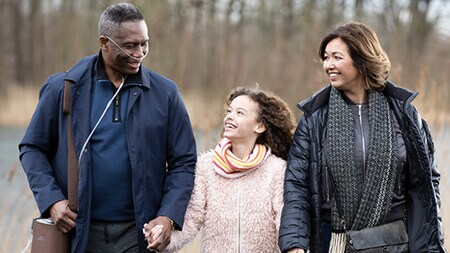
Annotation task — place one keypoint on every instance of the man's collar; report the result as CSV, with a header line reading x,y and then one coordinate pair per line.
x,y
100,73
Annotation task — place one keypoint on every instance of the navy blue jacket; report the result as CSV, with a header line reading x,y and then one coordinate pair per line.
x,y
160,144
301,220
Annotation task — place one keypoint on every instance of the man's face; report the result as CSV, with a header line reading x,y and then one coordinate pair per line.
x,y
125,50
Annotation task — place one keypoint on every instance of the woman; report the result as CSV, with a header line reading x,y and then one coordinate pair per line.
x,y
238,193
361,157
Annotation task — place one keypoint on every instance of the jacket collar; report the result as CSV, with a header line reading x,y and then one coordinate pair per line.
x,y
402,94
91,65
320,98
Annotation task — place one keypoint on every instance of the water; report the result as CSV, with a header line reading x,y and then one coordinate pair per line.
x,y
9,139
18,206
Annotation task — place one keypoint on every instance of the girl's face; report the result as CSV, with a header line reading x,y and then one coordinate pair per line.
x,y
240,121
338,65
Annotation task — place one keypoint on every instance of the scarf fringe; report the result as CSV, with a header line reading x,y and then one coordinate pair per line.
x,y
337,243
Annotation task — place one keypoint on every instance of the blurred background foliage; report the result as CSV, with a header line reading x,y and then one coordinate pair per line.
x,y
210,46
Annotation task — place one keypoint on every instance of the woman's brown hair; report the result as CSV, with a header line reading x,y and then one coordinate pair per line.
x,y
365,49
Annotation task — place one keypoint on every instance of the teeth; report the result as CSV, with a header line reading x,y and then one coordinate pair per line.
x,y
333,74
134,64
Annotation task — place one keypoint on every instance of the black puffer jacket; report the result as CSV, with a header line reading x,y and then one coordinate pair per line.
x,y
301,217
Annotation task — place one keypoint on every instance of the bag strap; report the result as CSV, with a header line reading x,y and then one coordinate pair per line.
x,y
72,162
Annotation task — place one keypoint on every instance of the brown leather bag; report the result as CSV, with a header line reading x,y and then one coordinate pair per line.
x,y
46,236
48,239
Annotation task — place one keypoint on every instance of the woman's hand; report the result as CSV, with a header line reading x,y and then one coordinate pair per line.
x,y
296,250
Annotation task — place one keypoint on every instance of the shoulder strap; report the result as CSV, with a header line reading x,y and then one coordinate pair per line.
x,y
72,163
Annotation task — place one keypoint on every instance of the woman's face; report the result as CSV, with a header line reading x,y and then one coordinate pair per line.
x,y
339,67
240,121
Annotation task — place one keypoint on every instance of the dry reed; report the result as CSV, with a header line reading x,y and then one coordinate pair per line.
x,y
17,104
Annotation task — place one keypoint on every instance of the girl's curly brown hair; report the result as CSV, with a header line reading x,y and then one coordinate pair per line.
x,y
276,116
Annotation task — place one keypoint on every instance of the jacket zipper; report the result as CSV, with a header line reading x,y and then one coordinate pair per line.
x,y
238,239
362,136
399,180
116,112
327,185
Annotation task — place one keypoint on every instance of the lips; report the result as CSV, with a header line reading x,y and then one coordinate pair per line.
x,y
229,126
333,76
134,65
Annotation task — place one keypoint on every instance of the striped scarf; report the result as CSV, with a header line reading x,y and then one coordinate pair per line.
x,y
228,165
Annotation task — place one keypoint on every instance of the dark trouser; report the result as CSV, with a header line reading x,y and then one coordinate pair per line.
x,y
112,237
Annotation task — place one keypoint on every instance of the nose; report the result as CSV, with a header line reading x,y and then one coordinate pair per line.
x,y
328,64
228,116
139,51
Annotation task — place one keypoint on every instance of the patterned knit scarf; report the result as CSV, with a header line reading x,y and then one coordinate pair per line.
x,y
228,165
375,202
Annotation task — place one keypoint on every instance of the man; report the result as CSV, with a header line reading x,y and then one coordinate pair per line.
x,y
133,138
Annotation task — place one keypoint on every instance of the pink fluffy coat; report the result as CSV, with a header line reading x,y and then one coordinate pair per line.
x,y
234,215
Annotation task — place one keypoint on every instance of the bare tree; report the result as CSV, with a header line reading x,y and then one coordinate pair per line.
x,y
212,45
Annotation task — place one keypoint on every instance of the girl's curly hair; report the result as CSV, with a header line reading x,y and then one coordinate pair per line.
x,y
276,116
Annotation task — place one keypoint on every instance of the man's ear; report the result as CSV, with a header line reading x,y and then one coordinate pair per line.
x,y
260,128
103,42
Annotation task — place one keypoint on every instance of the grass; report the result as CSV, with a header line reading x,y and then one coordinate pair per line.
x,y
17,104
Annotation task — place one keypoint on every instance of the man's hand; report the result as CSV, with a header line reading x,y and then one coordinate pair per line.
x,y
62,216
158,232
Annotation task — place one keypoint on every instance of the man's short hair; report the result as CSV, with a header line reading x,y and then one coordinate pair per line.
x,y
114,15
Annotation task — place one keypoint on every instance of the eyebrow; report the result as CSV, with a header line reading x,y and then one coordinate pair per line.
x,y
334,52
238,108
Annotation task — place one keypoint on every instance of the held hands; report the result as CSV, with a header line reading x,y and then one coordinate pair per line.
x,y
157,233
62,216
296,250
